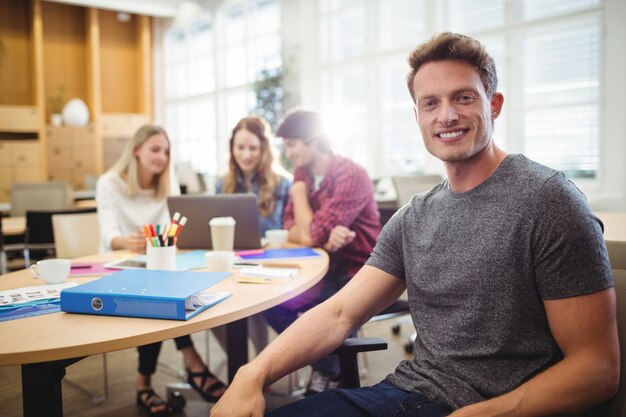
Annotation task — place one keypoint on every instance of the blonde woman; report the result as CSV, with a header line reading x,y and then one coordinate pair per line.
x,y
130,194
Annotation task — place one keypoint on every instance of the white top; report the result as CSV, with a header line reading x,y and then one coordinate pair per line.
x,y
120,214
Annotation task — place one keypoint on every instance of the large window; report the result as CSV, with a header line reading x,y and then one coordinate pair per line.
x,y
211,64
363,94
548,54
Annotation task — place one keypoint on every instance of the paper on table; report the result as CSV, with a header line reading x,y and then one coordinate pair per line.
x,y
262,275
29,294
270,272
200,300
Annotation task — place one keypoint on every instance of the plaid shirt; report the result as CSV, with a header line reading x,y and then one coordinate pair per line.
x,y
345,197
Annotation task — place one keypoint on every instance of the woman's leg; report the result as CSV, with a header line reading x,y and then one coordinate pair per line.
x,y
203,381
148,356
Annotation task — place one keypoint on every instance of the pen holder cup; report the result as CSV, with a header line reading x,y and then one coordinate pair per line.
x,y
161,257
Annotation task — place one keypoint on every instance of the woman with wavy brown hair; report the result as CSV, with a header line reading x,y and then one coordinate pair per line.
x,y
253,169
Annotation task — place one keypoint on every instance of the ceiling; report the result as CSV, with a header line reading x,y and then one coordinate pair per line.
x,y
156,8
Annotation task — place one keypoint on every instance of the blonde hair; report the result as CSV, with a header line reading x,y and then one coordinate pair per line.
x,y
268,178
127,167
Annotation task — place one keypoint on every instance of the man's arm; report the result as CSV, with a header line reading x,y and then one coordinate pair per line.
x,y
303,215
585,329
314,335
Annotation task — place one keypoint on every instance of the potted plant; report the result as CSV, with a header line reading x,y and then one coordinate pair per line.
x,y
273,97
56,106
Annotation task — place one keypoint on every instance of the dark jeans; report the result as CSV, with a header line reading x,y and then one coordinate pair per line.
x,y
149,354
281,316
381,400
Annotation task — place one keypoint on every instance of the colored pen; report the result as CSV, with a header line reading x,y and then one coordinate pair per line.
x,y
180,225
148,234
166,231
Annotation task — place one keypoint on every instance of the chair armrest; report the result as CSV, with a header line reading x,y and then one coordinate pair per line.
x,y
360,344
348,361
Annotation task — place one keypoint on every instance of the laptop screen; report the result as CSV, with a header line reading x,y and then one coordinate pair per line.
x,y
200,209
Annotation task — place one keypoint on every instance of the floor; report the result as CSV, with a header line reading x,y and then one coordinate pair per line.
x,y
87,374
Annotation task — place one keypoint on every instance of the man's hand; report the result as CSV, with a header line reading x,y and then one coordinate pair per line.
x,y
339,237
243,398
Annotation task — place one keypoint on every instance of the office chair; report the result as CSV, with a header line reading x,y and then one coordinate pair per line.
x,y
616,406
296,381
39,234
348,363
76,233
399,308
40,196
407,186
4,248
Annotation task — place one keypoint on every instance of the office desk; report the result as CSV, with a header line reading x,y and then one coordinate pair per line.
x,y
45,345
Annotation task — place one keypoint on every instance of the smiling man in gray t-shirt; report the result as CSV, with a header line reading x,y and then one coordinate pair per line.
x,y
478,266
508,279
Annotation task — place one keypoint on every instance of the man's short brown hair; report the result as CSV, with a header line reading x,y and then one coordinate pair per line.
x,y
447,45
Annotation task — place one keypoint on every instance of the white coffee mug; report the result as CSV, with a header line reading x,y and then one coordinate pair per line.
x,y
219,261
276,238
52,271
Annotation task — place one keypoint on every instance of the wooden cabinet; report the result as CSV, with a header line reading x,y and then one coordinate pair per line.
x,y
71,153
87,53
19,162
117,130
19,119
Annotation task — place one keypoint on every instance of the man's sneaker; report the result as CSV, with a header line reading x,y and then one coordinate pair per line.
x,y
320,382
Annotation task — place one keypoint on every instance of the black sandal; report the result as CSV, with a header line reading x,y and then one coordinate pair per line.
x,y
208,393
148,405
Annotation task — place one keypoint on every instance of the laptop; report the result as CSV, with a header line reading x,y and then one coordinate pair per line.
x,y
199,209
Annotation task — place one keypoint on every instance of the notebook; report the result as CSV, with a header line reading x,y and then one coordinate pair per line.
x,y
271,254
199,209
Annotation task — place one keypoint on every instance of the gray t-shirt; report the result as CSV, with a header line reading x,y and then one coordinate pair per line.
x,y
477,266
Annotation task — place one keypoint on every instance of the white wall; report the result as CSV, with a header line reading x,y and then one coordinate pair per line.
x,y
300,38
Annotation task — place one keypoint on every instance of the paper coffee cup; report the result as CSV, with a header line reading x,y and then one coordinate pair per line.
x,y
219,261
161,257
222,233
52,271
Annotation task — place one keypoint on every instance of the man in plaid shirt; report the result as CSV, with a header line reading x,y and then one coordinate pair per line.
x,y
332,206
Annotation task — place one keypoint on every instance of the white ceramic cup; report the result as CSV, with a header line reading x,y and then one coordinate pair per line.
x,y
222,233
161,257
219,261
276,238
52,271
